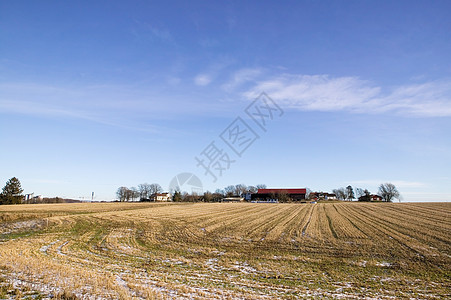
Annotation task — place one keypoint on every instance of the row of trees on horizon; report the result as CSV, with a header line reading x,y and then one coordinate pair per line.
x,y
144,191
387,191
12,193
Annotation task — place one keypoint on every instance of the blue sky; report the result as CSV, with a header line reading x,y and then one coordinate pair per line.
x,y
100,94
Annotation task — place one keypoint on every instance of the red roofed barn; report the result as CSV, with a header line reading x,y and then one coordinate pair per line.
x,y
266,194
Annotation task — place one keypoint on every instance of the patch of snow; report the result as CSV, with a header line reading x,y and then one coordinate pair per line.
x,y
244,268
121,281
46,247
384,264
60,248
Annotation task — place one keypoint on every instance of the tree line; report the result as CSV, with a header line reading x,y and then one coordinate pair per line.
x,y
144,192
387,191
12,193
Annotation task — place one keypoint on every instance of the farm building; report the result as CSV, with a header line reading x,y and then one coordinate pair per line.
x,y
370,198
31,198
322,196
376,198
161,197
266,194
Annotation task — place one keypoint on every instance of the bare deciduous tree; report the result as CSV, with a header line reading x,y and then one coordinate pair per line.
x,y
122,193
272,196
229,190
155,188
359,192
252,189
388,192
240,189
208,197
144,191
134,193
220,192
282,196
261,186
218,195
340,193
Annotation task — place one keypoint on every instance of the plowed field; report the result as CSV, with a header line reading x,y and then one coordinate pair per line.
x,y
226,250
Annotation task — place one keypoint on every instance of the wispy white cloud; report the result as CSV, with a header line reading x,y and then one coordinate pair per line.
x,y
51,110
326,93
105,105
423,99
203,79
213,71
241,77
135,107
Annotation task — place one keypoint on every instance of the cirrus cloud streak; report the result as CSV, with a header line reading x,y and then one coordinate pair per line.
x,y
326,93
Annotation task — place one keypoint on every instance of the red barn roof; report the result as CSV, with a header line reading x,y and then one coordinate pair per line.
x,y
277,191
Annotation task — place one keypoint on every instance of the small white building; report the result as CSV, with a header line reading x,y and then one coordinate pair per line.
x,y
28,197
161,197
31,198
331,196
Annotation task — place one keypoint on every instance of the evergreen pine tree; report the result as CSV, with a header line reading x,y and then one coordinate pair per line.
x,y
12,192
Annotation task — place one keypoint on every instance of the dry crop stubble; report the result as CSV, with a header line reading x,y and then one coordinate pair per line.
x,y
234,250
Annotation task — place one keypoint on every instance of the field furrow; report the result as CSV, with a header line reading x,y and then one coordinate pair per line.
x,y
226,250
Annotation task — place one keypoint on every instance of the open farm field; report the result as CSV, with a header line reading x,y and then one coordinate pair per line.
x,y
226,250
